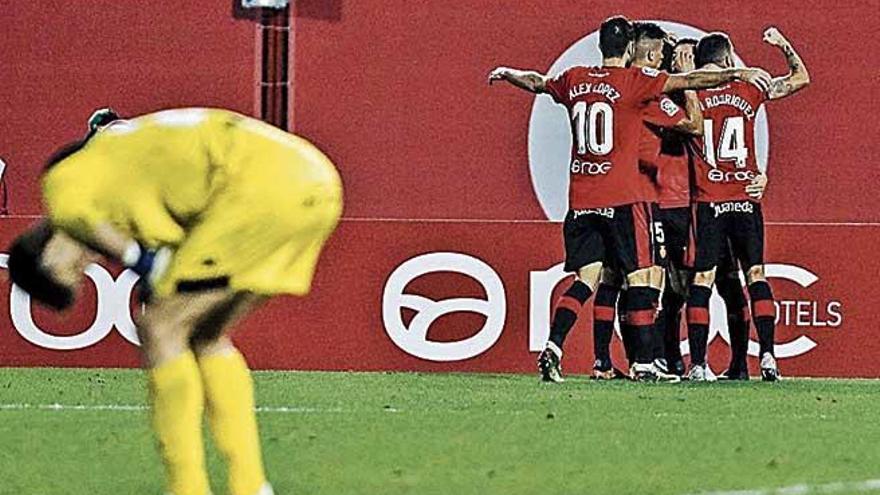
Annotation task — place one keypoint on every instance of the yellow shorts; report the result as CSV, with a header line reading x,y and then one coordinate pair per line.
x,y
264,230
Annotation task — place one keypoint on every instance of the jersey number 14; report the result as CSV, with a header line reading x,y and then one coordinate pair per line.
x,y
732,146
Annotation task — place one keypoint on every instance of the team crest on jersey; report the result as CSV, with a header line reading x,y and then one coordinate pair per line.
x,y
650,72
668,107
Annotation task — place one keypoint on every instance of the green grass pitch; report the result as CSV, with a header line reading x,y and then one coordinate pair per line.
x,y
387,433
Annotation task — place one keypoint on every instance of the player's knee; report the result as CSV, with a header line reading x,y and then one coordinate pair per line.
x,y
658,277
646,277
612,278
756,274
211,346
639,278
590,274
704,279
161,338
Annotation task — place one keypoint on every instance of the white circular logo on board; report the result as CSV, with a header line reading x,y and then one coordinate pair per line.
x,y
550,136
413,338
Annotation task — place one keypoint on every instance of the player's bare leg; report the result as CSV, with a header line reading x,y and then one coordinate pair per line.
x,y
698,324
230,397
176,392
764,314
567,309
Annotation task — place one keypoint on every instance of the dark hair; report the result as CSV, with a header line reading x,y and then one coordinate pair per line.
x,y
668,48
712,49
26,272
615,35
648,31
65,152
685,41
99,118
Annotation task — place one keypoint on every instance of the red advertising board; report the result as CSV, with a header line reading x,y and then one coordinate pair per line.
x,y
464,296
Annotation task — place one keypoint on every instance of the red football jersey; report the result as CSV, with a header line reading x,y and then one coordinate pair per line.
x,y
605,105
724,158
673,178
660,114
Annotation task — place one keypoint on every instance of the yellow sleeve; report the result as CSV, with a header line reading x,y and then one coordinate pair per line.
x,y
70,205
153,225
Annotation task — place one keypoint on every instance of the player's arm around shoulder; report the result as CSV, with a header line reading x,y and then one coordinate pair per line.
x,y
798,77
692,123
528,80
710,78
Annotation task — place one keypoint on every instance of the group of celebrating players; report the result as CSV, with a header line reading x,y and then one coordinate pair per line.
x,y
664,198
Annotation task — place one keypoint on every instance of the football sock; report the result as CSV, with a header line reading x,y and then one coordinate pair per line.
x,y
764,313
230,394
629,334
657,344
567,308
603,320
641,314
698,322
178,401
669,320
731,291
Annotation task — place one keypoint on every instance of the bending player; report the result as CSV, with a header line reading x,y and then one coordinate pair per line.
x,y
217,212
723,211
609,218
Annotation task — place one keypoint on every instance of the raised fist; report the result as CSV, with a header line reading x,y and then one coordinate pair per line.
x,y
774,37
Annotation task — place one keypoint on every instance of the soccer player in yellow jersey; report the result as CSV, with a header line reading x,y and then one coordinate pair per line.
x,y
216,211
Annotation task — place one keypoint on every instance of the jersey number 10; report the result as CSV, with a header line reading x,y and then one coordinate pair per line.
x,y
732,147
593,127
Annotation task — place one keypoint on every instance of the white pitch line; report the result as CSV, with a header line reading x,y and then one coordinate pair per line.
x,y
136,407
804,489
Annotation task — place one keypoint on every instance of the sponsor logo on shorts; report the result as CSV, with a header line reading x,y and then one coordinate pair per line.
x,y
717,175
733,207
602,212
590,168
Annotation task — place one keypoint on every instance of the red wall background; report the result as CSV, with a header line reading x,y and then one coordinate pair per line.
x,y
395,92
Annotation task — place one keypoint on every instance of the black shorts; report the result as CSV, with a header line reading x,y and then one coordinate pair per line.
x,y
727,265
674,231
620,237
739,223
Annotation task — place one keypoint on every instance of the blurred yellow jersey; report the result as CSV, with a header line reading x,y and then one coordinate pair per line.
x,y
241,203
